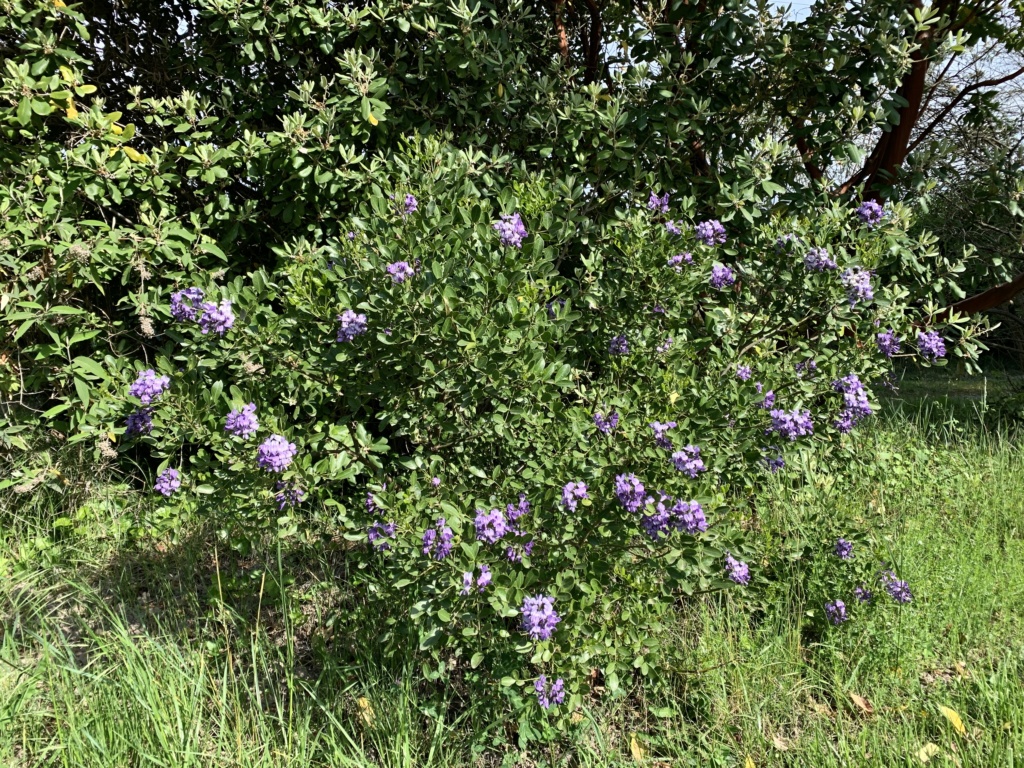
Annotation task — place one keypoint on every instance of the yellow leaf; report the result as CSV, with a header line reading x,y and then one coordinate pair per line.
x,y
365,711
927,752
113,151
749,762
67,74
501,90
673,396
954,720
373,120
134,155
112,437
59,4
71,111
635,749
117,129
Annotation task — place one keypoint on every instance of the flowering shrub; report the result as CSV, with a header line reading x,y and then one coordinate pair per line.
x,y
526,472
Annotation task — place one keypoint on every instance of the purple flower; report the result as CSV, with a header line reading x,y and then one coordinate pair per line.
x,y
484,579
871,213
139,423
818,260
689,516
631,492
572,493
769,400
656,524
759,387
774,463
435,481
553,694
931,345
863,594
242,422
378,534
737,570
185,303
216,317
511,229
515,511
539,617
855,402
411,205
400,271
660,431
857,282
467,582
836,612
371,503
721,276
792,424
807,366
167,482
148,386
888,343
688,461
898,589
515,555
711,232
658,204
844,549
619,345
288,495
677,261
351,235
606,425
350,325
784,242
673,228
275,454
743,372
437,541
665,345
490,526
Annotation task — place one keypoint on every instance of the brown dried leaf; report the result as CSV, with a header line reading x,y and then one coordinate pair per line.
x,y
862,704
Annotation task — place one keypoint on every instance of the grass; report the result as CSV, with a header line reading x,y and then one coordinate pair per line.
x,y
117,652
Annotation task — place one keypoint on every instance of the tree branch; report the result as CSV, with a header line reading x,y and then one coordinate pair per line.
x,y
594,48
563,37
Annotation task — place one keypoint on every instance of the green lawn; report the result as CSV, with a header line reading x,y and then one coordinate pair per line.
x,y
122,653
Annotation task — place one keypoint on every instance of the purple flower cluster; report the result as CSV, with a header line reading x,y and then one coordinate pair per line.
x,y
711,232
671,515
769,400
572,493
630,492
435,481
658,204
437,541
855,402
818,260
515,554
932,346
378,534
722,276
857,282
677,261
665,345
400,271
786,241
688,461
807,366
553,694
517,510
167,482
275,454
511,229
148,386
288,495
350,325
242,422
184,303
774,462
216,317
411,205
139,423
673,228
898,589
844,549
871,213
888,343
482,581
863,594
606,425
539,617
737,570
619,345
792,424
490,526
836,612
743,372
660,433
